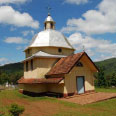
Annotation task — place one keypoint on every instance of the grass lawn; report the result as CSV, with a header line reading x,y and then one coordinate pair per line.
x,y
110,90
45,106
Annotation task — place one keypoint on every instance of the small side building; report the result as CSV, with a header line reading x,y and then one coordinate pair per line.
x,y
52,66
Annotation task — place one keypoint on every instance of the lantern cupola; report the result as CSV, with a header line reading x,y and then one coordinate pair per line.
x,y
49,22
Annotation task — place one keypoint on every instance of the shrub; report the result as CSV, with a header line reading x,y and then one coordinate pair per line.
x,y
1,114
16,110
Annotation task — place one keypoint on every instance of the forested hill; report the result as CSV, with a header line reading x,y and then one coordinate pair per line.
x,y
11,73
14,67
109,66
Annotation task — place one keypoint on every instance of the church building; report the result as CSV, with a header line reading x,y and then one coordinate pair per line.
x,y
51,66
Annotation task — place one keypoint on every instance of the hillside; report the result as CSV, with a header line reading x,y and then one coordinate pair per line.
x,y
11,73
109,66
10,68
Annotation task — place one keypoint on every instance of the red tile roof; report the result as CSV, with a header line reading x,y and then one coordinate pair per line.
x,y
37,81
64,65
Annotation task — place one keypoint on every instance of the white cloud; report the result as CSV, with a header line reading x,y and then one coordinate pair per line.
x,y
98,21
12,1
10,16
76,1
93,46
28,32
20,48
3,61
16,40
103,57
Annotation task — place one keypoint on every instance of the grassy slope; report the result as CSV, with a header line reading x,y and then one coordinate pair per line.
x,y
105,108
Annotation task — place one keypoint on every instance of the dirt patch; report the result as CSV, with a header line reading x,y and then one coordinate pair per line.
x,y
18,101
36,108
90,98
42,108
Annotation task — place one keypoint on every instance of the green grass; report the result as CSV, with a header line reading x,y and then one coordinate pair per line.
x,y
104,108
110,90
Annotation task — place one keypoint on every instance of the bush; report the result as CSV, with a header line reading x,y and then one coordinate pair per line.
x,y
16,110
1,114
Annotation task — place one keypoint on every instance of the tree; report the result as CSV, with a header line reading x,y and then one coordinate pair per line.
x,y
101,82
113,80
15,76
3,78
9,77
108,80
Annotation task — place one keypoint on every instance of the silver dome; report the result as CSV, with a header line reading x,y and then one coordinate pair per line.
x,y
51,38
49,18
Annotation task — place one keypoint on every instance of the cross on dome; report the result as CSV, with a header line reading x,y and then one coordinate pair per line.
x,y
49,8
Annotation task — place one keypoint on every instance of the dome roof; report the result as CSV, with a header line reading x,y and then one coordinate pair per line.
x,y
50,37
49,18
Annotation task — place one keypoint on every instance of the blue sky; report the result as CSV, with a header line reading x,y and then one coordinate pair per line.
x,y
88,23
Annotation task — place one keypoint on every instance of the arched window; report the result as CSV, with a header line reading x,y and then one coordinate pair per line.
x,y
79,64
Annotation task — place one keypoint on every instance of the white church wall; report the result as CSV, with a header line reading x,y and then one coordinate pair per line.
x,y
50,50
40,67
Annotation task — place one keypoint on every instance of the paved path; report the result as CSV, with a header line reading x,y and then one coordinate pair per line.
x,y
90,98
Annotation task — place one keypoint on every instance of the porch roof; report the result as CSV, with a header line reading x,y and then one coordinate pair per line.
x,y
40,81
42,54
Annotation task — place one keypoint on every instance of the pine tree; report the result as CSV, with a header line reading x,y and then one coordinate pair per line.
x,y
101,82
113,80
